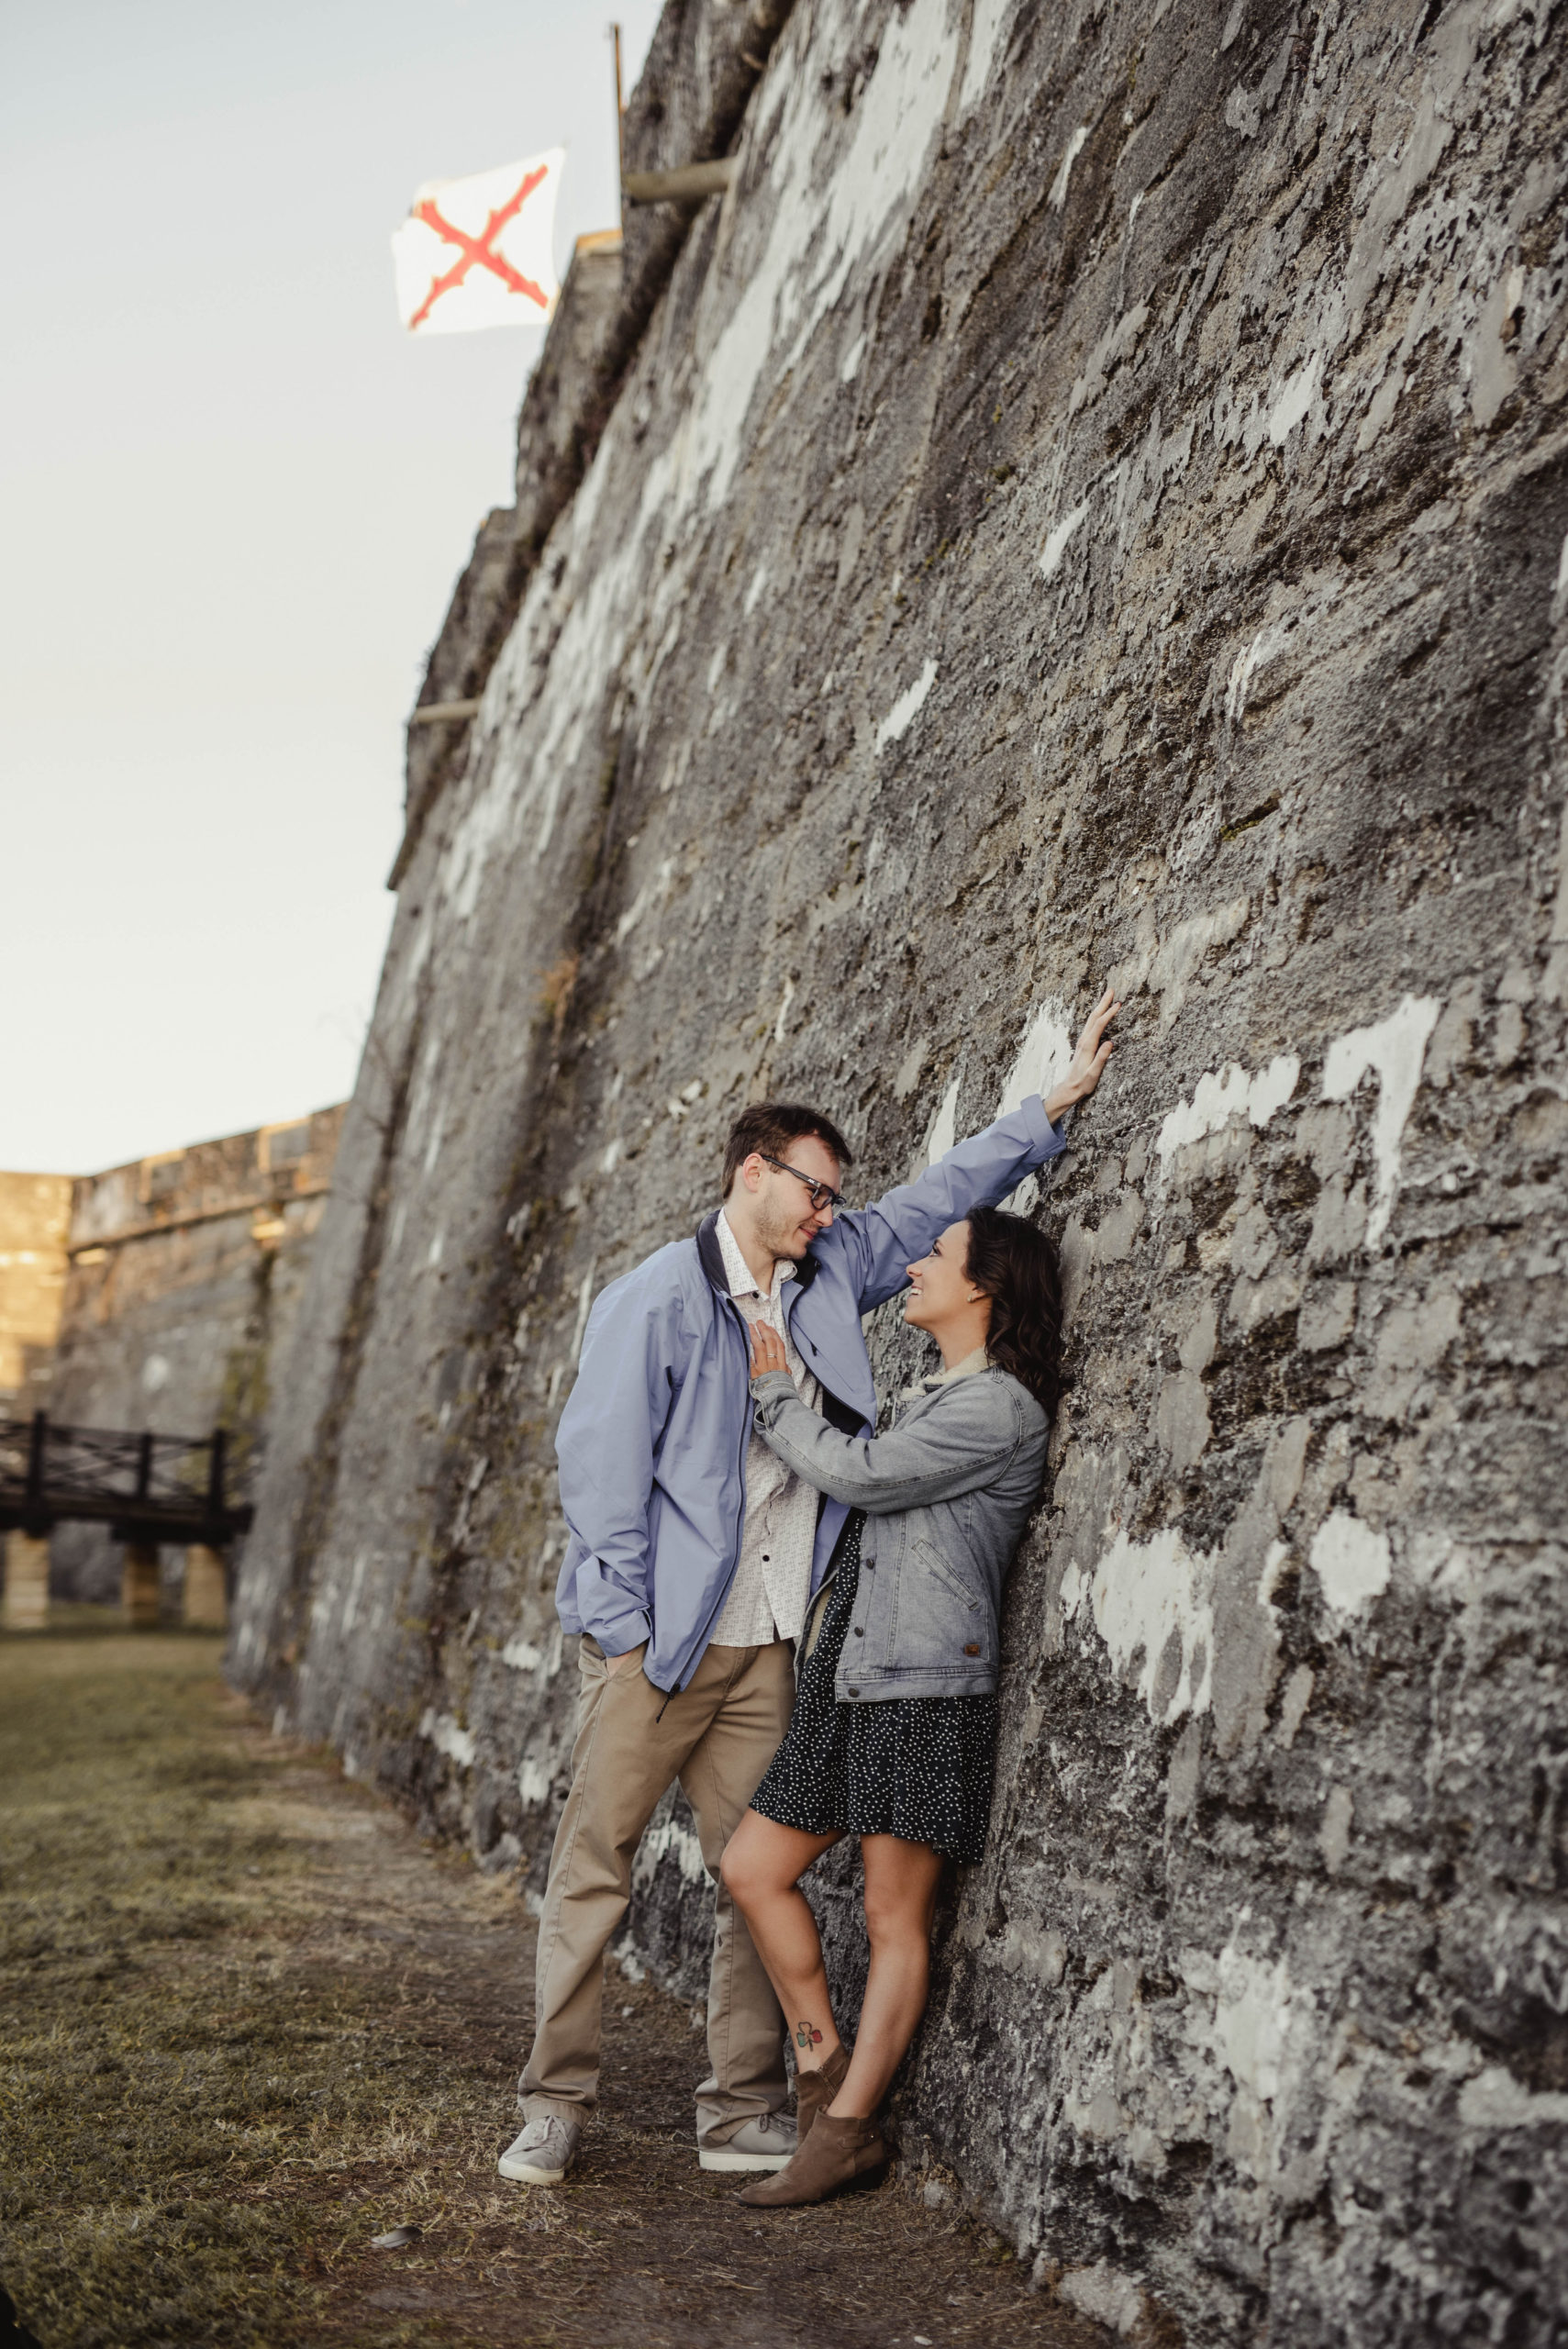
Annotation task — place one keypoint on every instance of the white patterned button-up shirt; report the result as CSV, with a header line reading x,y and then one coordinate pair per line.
x,y
773,1580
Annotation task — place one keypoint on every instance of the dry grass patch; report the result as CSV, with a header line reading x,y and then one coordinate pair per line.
x,y
248,2023
197,2114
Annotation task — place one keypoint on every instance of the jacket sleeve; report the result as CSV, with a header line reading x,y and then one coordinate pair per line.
x,y
881,1240
946,1452
607,1446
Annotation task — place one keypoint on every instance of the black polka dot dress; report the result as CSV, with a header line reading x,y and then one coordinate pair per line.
x,y
916,1766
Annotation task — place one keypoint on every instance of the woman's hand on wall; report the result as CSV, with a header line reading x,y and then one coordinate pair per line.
x,y
1087,1065
767,1350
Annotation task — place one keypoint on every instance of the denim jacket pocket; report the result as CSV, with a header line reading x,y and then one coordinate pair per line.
x,y
932,1561
943,1620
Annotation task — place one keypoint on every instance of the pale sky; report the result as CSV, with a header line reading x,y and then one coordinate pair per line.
x,y
234,497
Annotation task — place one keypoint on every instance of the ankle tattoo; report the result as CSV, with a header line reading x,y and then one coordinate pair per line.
x,y
808,2035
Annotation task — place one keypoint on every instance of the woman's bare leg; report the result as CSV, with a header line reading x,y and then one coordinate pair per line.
x,y
901,1898
763,1866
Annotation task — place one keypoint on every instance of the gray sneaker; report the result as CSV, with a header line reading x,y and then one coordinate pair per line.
x,y
767,2143
544,2152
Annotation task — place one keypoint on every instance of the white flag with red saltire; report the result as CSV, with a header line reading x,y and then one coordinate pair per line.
x,y
480,251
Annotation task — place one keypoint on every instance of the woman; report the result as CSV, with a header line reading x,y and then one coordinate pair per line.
x,y
894,1733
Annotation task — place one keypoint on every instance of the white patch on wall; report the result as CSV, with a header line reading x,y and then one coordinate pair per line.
x,y
679,1843
448,1736
522,1655
1395,1048
753,595
1056,544
1253,657
907,709
1179,958
1352,1561
781,1023
1495,2099
356,1586
820,224
1292,400
944,1126
1044,1057
1104,2293
535,1779
155,1374
1154,1600
654,891
1075,145
1252,2020
984,31
1217,1098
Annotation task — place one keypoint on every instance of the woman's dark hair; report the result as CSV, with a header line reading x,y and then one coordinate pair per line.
x,y
1019,1269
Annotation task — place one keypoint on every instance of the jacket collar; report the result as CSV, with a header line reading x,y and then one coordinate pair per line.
x,y
970,1368
711,1255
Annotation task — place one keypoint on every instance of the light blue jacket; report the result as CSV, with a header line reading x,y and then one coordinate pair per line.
x,y
946,1494
651,1445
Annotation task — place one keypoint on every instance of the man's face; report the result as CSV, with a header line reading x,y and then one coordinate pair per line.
x,y
785,1219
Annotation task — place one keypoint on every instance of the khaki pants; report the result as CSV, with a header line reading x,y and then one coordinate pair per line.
x,y
717,1737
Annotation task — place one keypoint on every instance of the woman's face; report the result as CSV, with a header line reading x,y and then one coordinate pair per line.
x,y
940,1285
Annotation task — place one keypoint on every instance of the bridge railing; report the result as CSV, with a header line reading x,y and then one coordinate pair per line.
x,y
144,1487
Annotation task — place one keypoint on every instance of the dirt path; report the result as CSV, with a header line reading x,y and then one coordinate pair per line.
x,y
250,2022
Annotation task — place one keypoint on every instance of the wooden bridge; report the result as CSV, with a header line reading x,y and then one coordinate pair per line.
x,y
147,1489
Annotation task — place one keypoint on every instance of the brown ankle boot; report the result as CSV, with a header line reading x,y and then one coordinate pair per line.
x,y
815,2091
836,2154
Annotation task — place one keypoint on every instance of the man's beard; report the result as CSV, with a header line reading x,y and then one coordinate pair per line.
x,y
782,1236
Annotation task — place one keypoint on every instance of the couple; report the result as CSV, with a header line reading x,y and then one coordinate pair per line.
x,y
735,1522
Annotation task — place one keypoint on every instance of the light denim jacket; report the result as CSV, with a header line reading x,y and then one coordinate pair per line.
x,y
947,1492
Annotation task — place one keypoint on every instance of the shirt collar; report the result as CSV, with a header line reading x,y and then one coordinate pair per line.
x,y
738,1272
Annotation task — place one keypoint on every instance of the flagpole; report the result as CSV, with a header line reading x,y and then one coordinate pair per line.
x,y
620,125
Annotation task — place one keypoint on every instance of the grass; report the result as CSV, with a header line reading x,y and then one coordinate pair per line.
x,y
248,2023
182,2113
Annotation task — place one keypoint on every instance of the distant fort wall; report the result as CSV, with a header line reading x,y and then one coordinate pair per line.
x,y
161,1295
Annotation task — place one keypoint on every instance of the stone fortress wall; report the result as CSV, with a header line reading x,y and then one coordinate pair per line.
x,y
184,1276
34,1224
1090,499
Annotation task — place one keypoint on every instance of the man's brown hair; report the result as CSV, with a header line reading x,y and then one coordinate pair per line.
x,y
770,1127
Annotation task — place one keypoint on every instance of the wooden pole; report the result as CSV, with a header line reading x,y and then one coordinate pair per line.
x,y
686,184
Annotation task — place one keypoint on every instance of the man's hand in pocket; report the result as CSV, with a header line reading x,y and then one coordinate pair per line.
x,y
621,1668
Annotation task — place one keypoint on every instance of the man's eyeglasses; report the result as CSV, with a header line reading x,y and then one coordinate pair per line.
x,y
823,1195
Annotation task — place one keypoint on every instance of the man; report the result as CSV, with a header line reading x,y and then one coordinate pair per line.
x,y
693,1556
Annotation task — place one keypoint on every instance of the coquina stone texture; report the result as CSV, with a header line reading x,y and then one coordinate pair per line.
x,y
1090,501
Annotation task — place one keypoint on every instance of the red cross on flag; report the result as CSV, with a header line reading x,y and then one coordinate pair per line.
x,y
479,251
